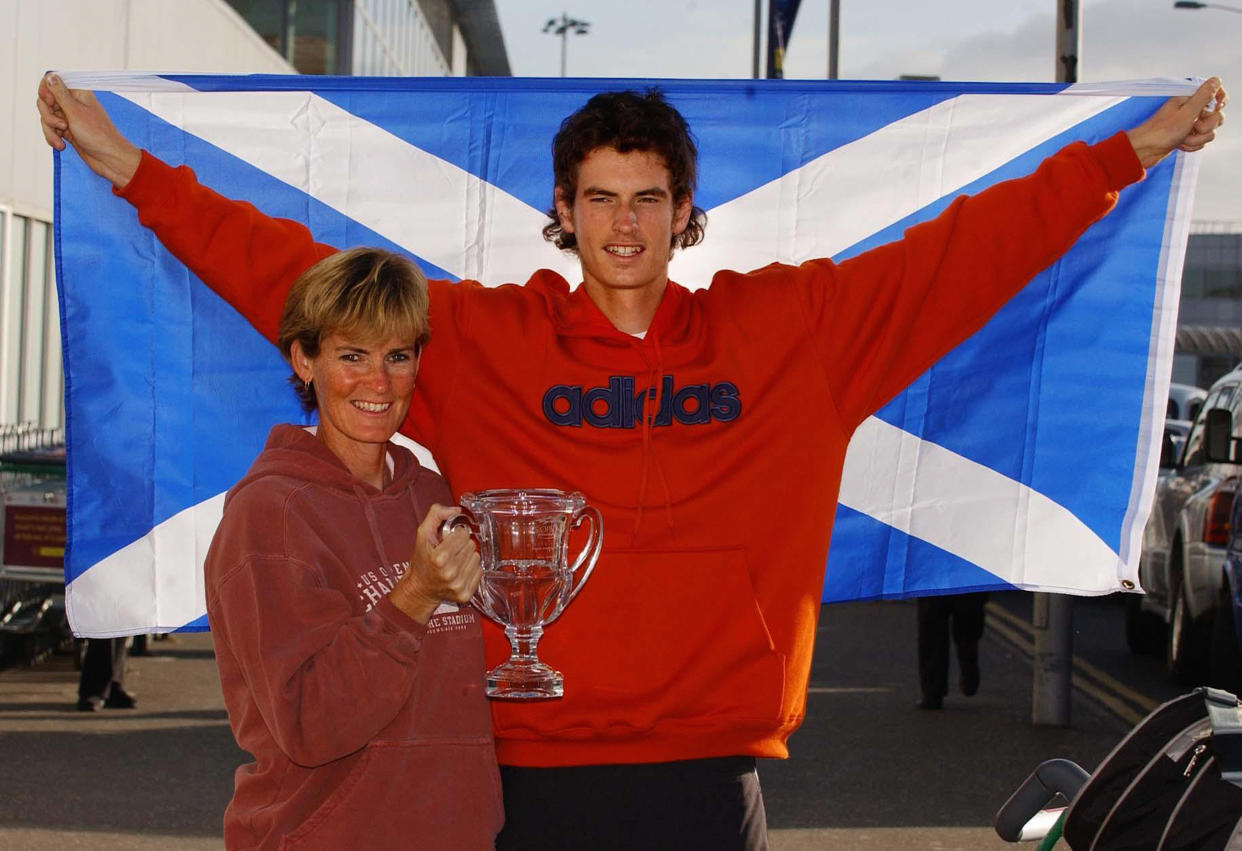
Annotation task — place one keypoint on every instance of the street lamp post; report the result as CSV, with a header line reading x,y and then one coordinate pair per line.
x,y
1052,615
755,57
834,36
563,26
1069,41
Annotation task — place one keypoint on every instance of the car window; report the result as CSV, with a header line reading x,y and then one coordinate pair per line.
x,y
1192,408
1192,453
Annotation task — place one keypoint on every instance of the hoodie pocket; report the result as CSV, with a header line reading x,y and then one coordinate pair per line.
x,y
660,637
441,796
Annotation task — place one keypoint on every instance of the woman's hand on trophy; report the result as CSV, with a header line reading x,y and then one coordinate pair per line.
x,y
441,569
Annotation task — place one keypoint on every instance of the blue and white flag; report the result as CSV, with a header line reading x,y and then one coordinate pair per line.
x,y
1025,458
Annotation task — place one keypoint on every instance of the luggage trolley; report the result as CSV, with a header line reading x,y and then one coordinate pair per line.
x,y
1173,782
32,543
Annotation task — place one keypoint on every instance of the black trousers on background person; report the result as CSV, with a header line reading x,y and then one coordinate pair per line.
x,y
961,617
103,675
710,804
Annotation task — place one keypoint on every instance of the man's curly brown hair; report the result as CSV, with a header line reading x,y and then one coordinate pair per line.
x,y
626,121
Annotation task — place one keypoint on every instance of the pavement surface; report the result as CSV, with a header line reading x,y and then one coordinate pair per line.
x,y
867,771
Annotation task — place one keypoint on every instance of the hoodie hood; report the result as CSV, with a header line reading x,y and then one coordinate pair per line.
x,y
295,452
676,335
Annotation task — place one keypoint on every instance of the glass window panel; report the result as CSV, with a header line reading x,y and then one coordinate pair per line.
x,y
53,413
1213,367
264,17
1192,282
313,35
14,311
30,407
5,383
1223,283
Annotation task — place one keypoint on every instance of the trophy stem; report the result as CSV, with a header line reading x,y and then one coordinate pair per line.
x,y
523,642
523,675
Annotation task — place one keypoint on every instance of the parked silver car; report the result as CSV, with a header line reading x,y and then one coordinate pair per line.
x,y
1183,556
1185,400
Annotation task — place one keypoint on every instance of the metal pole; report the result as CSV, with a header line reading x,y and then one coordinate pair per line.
x,y
1069,41
562,28
834,36
773,67
754,66
1053,624
1053,614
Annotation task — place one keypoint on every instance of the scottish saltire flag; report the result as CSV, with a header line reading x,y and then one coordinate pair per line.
x,y
1025,458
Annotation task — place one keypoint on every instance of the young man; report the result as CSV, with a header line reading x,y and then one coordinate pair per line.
x,y
678,414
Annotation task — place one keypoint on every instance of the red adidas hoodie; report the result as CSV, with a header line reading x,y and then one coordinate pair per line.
x,y
694,636
368,729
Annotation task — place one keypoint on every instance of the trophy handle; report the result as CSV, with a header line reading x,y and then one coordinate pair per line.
x,y
458,519
590,550
481,599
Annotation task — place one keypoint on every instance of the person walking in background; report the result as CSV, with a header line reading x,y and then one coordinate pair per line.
x,y
102,683
959,616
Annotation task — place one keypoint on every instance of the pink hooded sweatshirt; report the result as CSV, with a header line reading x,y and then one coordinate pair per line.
x,y
367,728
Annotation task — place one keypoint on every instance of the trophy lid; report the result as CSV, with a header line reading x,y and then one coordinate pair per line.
x,y
523,501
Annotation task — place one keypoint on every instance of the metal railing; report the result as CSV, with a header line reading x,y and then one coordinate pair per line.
x,y
28,453
26,437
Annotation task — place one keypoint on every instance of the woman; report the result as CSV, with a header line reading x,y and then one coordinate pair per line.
x,y
350,673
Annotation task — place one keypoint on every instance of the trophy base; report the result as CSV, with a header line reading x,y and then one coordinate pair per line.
x,y
525,682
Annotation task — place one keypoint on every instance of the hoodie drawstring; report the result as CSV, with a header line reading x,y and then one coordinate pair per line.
x,y
668,495
373,525
651,407
373,522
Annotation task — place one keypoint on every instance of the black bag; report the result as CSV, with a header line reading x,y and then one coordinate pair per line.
x,y
1174,782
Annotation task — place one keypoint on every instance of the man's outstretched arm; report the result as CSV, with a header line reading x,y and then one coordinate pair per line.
x,y
889,313
247,257
1183,124
77,118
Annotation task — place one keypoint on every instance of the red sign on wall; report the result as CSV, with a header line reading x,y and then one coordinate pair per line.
x,y
34,536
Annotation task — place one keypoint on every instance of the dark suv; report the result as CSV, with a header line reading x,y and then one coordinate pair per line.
x,y
1226,671
1183,556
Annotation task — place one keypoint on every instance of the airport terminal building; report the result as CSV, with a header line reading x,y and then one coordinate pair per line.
x,y
348,37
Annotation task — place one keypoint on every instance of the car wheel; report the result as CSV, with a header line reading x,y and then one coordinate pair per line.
x,y
1145,631
1226,658
1187,648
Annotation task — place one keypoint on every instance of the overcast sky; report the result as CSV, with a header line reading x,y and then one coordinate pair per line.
x,y
882,39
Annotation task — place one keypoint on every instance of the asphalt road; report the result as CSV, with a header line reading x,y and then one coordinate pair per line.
x,y
867,770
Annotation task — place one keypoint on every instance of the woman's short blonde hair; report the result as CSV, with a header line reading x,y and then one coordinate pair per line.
x,y
365,294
